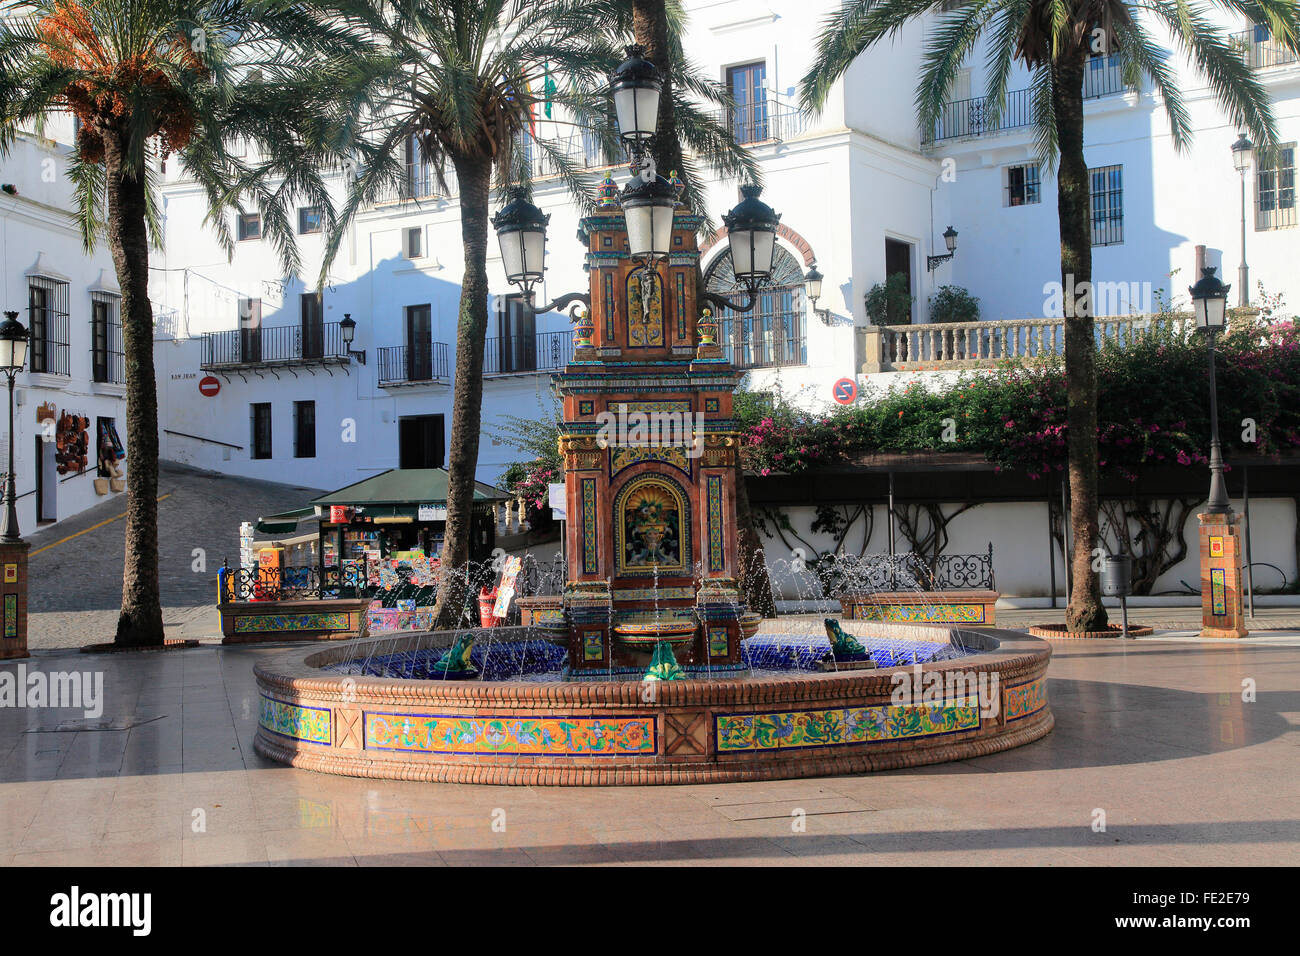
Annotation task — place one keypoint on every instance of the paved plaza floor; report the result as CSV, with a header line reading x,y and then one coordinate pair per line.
x,y
1154,734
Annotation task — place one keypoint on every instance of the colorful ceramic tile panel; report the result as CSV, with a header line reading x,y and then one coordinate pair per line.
x,y
589,563
593,646
712,405
1216,546
681,306
716,558
11,615
650,594
586,408
1024,700
311,724
842,726
922,613
1218,592
261,623
512,735
717,642
610,310
649,407
623,457
645,314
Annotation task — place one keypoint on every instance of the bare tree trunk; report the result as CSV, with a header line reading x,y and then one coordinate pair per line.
x,y
140,622
1085,611
474,177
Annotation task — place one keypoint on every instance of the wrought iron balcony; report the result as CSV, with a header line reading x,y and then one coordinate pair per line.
x,y
276,346
520,354
974,116
426,363
763,122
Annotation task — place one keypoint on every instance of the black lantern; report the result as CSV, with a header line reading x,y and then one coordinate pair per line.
x,y
636,85
751,234
648,208
1210,300
13,343
812,287
348,330
521,231
949,241
1243,150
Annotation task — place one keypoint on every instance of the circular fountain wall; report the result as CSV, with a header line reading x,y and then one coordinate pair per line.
x,y
975,693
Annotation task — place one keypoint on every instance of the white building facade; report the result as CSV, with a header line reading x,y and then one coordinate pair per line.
x,y
69,408
863,193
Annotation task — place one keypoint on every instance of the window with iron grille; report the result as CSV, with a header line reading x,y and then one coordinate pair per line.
x,y
1106,186
47,323
1275,206
748,87
250,226
304,429
1022,186
773,333
106,361
260,413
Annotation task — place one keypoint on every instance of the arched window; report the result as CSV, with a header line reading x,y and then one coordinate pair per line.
x,y
773,333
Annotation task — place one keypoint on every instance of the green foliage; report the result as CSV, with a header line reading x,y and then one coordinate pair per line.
x,y
952,303
890,302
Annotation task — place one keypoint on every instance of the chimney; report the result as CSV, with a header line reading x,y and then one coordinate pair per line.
x,y
1200,263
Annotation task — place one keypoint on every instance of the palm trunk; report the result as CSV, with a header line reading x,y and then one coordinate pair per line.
x,y
474,177
1085,611
140,622
650,30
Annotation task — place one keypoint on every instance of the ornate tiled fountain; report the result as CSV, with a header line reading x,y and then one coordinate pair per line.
x,y
651,539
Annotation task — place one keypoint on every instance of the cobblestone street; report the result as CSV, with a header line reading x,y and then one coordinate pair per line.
x,y
76,565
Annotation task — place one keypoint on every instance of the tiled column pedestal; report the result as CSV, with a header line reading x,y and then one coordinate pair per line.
x,y
13,600
1221,608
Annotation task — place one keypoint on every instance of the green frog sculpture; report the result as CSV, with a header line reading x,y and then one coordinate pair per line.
x,y
664,666
845,648
455,664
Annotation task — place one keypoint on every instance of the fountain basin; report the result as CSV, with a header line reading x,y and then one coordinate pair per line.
x,y
598,733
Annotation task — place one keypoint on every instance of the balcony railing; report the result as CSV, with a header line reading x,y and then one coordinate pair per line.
x,y
519,354
763,122
413,364
974,116
276,345
1261,51
957,344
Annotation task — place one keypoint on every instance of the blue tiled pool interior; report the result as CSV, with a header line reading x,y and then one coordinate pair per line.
x,y
537,660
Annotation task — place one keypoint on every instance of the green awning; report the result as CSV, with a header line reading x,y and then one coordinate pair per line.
x,y
404,487
284,523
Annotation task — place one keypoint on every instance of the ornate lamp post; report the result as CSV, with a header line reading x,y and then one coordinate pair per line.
x,y
348,329
1210,302
949,240
636,86
13,355
1243,151
751,236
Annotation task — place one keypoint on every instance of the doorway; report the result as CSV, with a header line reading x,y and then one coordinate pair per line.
x,y
419,343
898,261
420,441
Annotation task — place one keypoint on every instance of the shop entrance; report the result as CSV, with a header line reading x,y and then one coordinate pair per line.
x,y
420,441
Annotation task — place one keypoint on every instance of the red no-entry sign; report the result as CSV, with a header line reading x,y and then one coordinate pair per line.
x,y
845,391
209,385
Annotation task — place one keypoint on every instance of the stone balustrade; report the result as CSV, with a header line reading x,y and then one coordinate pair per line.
x,y
957,345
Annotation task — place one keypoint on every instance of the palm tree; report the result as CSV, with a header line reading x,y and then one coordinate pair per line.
x,y
462,82
1053,39
146,79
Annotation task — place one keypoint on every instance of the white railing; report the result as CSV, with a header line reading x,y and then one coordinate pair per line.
x,y
967,344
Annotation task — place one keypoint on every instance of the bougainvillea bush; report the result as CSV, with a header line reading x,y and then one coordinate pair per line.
x,y
1153,409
